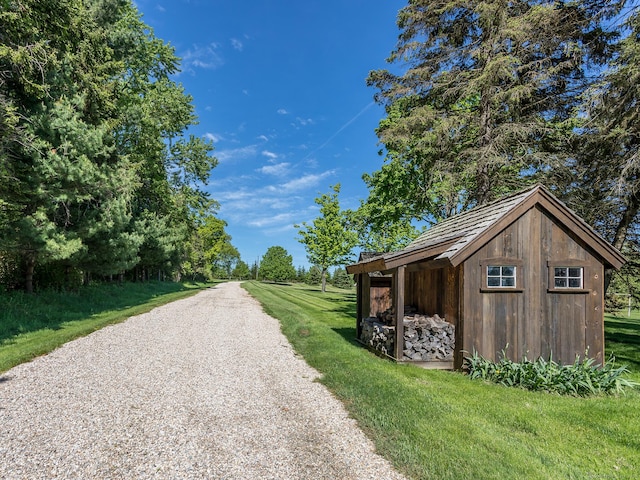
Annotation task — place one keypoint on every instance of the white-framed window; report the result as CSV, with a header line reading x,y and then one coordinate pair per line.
x,y
501,276
568,277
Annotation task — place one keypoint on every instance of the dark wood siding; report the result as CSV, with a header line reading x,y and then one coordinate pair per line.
x,y
533,320
425,290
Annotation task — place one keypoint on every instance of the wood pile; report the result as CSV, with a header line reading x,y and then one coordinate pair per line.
x,y
377,335
426,338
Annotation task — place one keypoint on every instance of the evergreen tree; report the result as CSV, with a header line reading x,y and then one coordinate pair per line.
x,y
487,89
315,275
341,279
277,265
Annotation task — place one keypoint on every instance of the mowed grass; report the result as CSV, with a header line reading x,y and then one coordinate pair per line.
x,y
622,337
33,325
437,424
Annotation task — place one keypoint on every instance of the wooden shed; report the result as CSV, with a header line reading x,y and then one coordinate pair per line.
x,y
524,272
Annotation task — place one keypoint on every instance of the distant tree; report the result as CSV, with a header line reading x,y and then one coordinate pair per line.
x,y
301,275
255,269
341,279
277,265
315,275
329,240
241,271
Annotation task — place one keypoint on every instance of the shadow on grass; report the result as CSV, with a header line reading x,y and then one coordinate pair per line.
x,y
349,334
622,337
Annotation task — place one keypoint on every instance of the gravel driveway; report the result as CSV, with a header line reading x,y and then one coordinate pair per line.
x,y
205,387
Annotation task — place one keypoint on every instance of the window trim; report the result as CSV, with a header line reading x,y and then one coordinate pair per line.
x,y
501,262
551,277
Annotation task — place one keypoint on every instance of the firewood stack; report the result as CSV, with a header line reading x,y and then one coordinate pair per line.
x,y
377,335
426,338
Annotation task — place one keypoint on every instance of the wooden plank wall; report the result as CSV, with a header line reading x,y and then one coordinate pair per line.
x,y
425,290
534,321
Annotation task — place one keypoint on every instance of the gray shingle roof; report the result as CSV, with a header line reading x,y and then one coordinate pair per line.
x,y
470,224
449,239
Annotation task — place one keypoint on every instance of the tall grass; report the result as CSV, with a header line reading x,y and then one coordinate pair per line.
x,y
435,424
32,325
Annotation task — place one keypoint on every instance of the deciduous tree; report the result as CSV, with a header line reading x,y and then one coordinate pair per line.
x,y
328,240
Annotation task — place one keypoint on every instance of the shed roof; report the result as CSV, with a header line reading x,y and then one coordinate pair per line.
x,y
456,238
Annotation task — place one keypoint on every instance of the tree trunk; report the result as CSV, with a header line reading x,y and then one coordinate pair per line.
x,y
324,280
631,210
30,265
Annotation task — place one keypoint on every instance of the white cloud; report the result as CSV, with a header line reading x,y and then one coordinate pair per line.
x,y
271,220
282,111
263,138
304,121
237,44
160,8
279,169
202,56
269,154
215,138
302,183
237,153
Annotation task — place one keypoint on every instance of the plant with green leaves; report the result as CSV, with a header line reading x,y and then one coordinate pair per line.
x,y
582,378
328,240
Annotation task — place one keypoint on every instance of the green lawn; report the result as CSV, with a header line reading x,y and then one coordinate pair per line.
x,y
32,325
622,337
436,424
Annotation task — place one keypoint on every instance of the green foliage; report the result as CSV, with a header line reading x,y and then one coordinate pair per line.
x,y
96,171
329,240
417,418
277,265
582,378
383,224
315,275
484,89
341,279
241,271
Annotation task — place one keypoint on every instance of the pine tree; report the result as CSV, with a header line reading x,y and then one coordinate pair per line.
x,y
487,84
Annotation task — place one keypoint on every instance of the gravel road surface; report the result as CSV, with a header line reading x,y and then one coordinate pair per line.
x,y
203,388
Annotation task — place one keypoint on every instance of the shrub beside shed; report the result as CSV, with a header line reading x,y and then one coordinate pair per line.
x,y
524,271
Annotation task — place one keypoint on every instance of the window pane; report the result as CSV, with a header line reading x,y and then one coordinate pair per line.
x,y
575,272
508,281
561,283
493,271
575,283
560,272
508,271
493,281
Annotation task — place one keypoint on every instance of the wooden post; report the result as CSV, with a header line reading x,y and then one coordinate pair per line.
x,y
399,294
359,307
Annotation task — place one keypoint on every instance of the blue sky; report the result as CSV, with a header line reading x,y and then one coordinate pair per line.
x,y
279,87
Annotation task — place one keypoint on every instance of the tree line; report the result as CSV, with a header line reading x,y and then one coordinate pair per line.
x,y
98,175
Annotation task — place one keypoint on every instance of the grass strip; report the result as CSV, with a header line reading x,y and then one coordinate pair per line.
x,y
33,325
436,424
